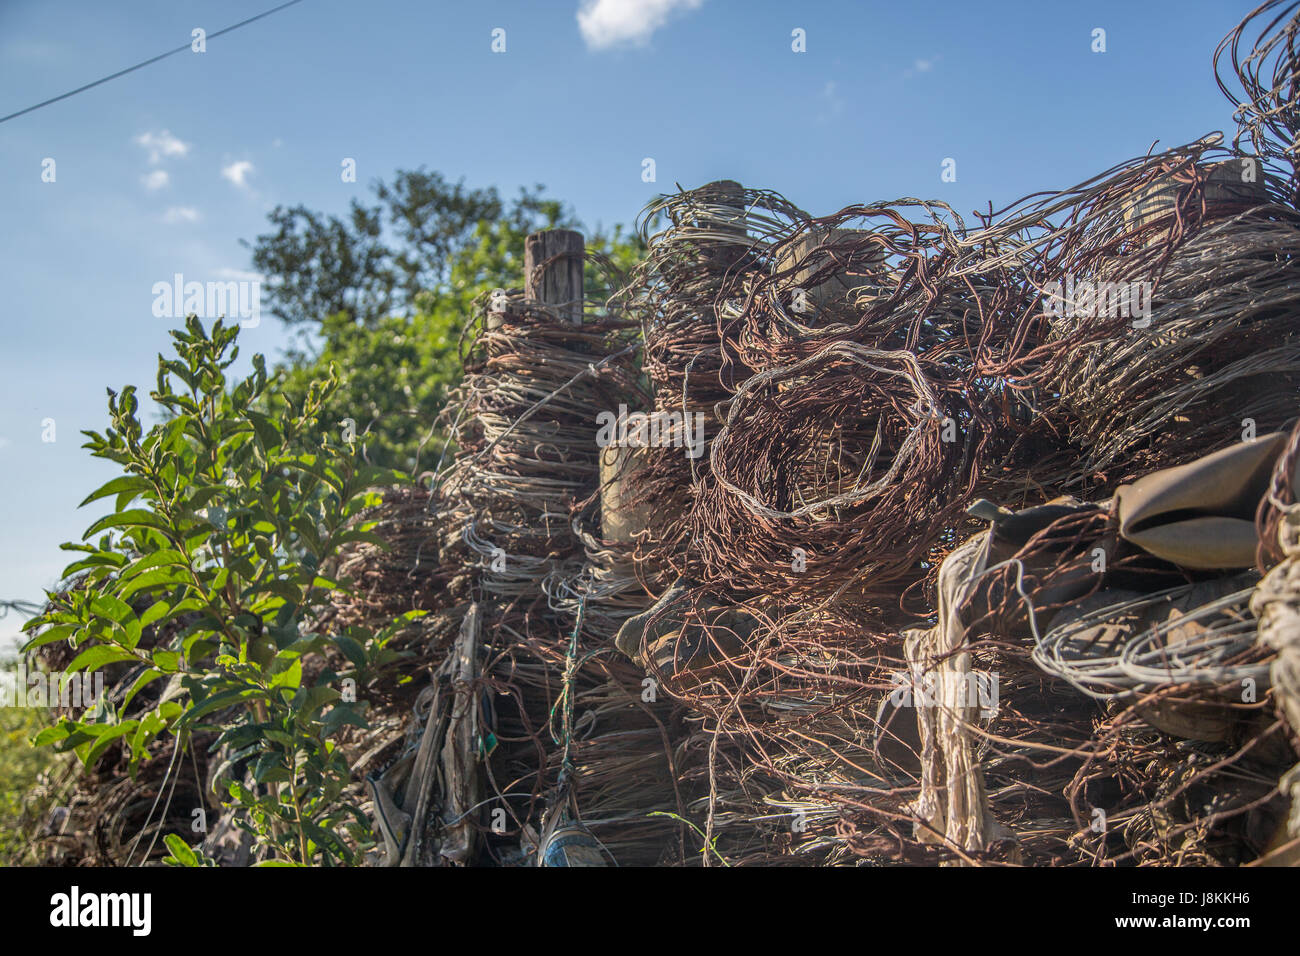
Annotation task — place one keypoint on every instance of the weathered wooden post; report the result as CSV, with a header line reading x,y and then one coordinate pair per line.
x,y
836,291
553,262
730,195
558,283
619,522
725,219
1229,187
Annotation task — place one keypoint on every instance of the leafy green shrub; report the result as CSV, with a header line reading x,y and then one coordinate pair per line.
x,y
207,575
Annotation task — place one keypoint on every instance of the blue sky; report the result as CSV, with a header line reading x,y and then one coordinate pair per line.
x,y
164,170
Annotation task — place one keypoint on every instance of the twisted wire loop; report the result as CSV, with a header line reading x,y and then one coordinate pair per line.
x,y
1262,86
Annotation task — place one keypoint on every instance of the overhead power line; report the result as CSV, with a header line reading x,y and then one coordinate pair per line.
x,y
144,63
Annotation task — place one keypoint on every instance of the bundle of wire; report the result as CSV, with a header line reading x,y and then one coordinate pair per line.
x,y
575,741
1221,355
711,239
527,452
1264,89
1139,720
782,737
1164,321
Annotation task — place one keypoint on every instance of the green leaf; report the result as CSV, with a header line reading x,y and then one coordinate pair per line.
x,y
112,608
131,518
150,675
219,701
290,677
119,485
93,658
156,612
308,700
182,854
167,661
341,714
351,649
57,632
285,740
268,432
270,768
106,739
103,559
149,728
50,735
283,589
164,557
121,614
152,579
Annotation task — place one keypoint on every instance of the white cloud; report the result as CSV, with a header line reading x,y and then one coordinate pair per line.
x,y
180,214
162,144
156,179
607,23
921,66
237,173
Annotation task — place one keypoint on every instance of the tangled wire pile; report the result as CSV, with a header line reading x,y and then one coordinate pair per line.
x,y
1168,324
1264,90
840,609
833,359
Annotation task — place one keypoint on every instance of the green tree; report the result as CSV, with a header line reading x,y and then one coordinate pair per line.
x,y
396,371
320,265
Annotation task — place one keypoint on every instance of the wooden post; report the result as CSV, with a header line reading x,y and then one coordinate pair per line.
x,y
731,194
1230,187
727,197
833,291
558,281
620,466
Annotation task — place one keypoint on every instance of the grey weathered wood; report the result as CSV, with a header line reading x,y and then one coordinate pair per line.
x,y
620,468
1224,192
838,288
730,195
553,271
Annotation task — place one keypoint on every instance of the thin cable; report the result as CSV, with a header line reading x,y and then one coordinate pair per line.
x,y
144,63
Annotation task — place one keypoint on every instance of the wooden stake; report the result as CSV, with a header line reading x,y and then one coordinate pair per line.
x,y
553,271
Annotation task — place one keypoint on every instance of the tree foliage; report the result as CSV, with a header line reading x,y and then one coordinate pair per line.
x,y
389,316
320,265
